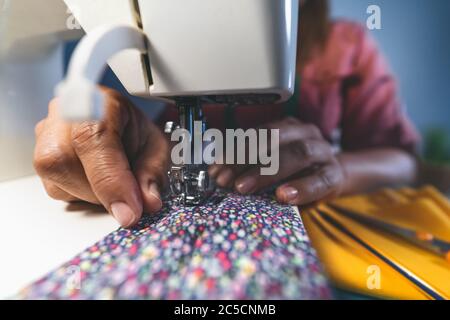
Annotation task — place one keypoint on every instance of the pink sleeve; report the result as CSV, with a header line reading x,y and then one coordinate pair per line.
x,y
373,115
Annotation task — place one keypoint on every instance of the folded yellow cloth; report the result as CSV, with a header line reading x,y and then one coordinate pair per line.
x,y
375,262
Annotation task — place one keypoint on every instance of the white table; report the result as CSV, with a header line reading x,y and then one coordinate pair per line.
x,y
38,233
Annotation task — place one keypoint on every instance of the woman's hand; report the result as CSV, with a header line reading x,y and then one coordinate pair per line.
x,y
309,169
119,162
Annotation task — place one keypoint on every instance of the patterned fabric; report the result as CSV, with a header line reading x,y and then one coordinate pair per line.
x,y
233,247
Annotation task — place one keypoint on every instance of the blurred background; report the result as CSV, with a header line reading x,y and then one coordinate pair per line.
x,y
415,38
36,41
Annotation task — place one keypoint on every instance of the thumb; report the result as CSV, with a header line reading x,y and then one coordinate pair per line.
x,y
107,169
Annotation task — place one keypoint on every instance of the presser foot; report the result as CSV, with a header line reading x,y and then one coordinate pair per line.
x,y
190,186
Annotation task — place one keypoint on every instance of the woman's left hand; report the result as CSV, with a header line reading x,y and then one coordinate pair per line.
x,y
309,169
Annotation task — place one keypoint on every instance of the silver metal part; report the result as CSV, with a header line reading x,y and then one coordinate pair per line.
x,y
188,186
189,183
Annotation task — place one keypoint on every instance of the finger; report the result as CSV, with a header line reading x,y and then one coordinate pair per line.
x,y
322,184
229,173
293,159
225,174
65,173
225,177
56,161
99,147
292,129
38,129
57,193
151,168
214,170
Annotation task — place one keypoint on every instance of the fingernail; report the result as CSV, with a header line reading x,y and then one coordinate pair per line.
x,y
123,214
289,194
246,185
225,177
153,190
213,171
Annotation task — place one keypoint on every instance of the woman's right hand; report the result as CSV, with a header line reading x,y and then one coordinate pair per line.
x,y
119,162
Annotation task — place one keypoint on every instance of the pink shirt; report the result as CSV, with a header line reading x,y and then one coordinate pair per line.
x,y
347,88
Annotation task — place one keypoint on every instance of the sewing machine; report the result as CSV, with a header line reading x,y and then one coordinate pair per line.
x,y
188,51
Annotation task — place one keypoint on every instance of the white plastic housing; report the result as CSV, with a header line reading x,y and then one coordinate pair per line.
x,y
221,47
127,65
30,29
203,47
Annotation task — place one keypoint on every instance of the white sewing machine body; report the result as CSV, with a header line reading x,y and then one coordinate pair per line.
x,y
218,49
190,51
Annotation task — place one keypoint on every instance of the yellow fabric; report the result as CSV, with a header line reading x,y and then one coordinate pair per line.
x,y
348,263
